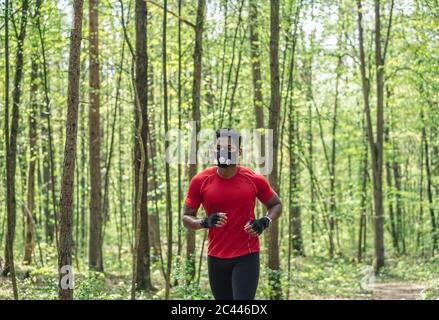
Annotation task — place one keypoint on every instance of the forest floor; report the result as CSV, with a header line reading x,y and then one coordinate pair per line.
x,y
398,291
311,278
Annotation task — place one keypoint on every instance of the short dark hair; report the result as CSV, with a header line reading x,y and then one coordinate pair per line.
x,y
228,132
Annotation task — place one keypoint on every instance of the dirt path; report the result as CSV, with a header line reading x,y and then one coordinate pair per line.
x,y
397,291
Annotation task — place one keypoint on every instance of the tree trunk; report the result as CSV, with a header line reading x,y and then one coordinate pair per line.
x,y
273,247
66,199
378,147
399,210
11,150
376,143
30,212
51,224
307,78
332,177
363,206
9,252
83,181
167,170
434,237
295,222
180,111
154,196
196,97
390,198
232,62
420,219
142,274
95,241
258,100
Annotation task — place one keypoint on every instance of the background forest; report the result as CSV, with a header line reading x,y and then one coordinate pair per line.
x,y
89,90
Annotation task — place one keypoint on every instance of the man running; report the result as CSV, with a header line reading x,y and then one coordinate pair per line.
x,y
228,193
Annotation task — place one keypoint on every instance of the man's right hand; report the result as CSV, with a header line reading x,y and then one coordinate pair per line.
x,y
214,220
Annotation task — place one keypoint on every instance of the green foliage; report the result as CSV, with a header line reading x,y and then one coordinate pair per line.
x,y
185,288
326,30
412,270
42,283
91,287
321,278
432,291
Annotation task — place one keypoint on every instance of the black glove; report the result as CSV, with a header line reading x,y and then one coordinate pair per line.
x,y
259,225
210,221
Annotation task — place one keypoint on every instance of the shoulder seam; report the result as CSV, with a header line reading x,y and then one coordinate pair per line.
x,y
205,179
249,177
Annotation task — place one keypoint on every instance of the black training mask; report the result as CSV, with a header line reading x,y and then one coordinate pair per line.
x,y
226,154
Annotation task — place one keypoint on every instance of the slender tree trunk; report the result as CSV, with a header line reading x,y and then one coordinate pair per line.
x,y
95,241
180,111
232,62
11,150
307,76
196,117
68,176
399,210
390,198
6,82
30,212
394,167
420,220
46,186
153,123
235,85
363,206
109,159
295,223
9,252
83,181
273,247
51,219
434,237
142,264
121,193
223,57
311,174
258,99
332,173
167,170
378,147
154,196
117,107
376,144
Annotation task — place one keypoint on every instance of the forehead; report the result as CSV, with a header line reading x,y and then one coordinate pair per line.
x,y
227,140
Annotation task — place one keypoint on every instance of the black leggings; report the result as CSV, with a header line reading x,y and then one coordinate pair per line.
x,y
234,278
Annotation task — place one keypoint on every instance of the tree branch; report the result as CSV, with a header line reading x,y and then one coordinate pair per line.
x,y
172,13
386,43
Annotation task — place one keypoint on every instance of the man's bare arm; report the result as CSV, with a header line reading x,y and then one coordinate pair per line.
x,y
274,207
274,210
190,221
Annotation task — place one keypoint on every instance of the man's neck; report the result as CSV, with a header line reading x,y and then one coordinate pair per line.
x,y
228,172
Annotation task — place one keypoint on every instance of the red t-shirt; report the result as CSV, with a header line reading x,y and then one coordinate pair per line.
x,y
236,197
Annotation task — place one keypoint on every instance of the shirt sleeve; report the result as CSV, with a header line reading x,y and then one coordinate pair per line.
x,y
193,197
264,190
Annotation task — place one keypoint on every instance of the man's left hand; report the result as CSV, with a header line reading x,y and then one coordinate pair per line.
x,y
256,227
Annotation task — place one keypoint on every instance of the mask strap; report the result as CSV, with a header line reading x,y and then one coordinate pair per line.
x,y
229,153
